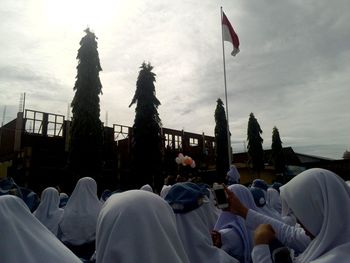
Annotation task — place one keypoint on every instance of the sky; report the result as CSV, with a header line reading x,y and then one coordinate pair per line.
x,y
292,72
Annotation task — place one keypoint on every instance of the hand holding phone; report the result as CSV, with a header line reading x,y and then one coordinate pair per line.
x,y
221,196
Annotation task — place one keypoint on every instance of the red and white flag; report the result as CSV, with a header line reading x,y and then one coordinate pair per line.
x,y
229,34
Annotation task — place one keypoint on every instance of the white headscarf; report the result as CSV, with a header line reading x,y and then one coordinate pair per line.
x,y
233,174
138,226
321,202
195,228
237,223
24,239
48,212
274,200
147,187
165,190
78,225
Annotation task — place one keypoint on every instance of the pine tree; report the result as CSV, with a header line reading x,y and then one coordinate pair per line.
x,y
221,150
146,147
86,133
255,149
277,151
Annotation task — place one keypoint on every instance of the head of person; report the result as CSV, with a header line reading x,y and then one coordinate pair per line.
x,y
320,200
259,183
165,190
78,225
185,197
276,186
258,196
233,175
136,226
27,240
105,195
195,219
147,187
50,195
63,200
244,195
274,200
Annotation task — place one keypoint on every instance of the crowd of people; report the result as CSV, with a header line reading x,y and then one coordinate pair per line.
x,y
305,220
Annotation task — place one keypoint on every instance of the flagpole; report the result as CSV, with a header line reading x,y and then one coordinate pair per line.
x,y
227,127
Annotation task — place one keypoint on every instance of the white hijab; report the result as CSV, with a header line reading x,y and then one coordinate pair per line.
x,y
274,200
138,226
24,239
195,228
233,174
48,212
237,223
78,225
321,202
147,187
165,190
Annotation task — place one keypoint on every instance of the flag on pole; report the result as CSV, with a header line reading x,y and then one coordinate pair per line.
x,y
229,34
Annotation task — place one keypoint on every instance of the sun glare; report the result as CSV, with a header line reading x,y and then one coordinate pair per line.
x,y
77,14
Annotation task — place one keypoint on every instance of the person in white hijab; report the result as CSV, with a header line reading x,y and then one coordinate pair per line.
x,y
48,211
147,187
236,239
165,190
63,200
24,239
274,200
320,200
261,203
233,176
78,225
138,226
191,208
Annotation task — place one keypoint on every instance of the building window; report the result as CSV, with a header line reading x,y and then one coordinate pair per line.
x,y
193,142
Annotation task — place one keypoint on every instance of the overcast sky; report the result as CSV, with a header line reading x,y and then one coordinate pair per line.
x,y
293,70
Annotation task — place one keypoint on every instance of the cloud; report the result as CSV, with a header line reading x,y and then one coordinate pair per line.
x,y
292,71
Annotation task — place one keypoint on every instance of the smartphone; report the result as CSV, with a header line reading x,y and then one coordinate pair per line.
x,y
220,195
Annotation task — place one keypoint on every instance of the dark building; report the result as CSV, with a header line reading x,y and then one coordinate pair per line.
x,y
37,144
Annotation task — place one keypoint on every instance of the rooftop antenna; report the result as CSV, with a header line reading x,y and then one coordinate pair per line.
x,y
3,116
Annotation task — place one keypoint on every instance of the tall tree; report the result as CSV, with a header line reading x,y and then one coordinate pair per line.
x,y
277,151
146,145
255,149
86,133
221,150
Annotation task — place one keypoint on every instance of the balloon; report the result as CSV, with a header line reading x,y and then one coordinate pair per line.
x,y
181,155
193,164
188,160
177,160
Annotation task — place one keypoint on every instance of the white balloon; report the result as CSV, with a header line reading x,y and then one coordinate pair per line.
x,y
193,164
177,160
